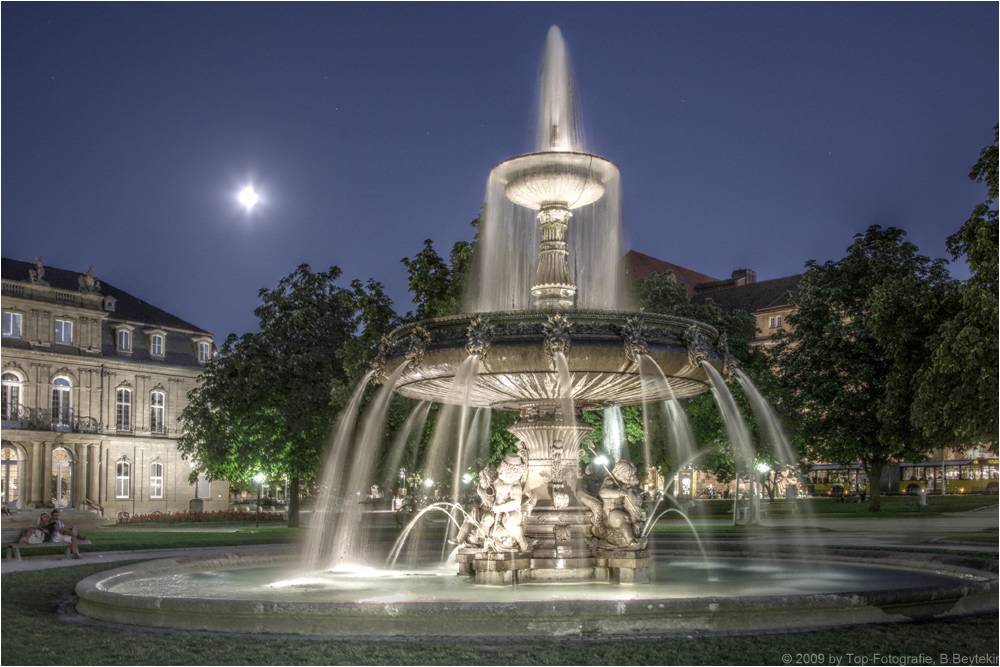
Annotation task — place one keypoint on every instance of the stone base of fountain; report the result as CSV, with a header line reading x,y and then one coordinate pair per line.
x,y
625,566
502,569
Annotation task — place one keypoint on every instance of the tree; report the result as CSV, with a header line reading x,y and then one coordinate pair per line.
x,y
859,338
957,391
438,286
268,402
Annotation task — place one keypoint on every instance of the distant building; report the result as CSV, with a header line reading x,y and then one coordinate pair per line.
x,y
94,381
769,301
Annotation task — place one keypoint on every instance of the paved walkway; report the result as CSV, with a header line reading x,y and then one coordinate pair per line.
x,y
93,557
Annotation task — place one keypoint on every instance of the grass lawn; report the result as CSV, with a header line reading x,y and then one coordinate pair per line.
x,y
30,601
152,536
892,506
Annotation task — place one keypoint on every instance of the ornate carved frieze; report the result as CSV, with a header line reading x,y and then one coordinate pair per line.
x,y
416,345
479,335
634,333
698,346
557,336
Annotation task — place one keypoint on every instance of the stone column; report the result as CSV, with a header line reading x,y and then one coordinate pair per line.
x,y
81,476
46,472
26,473
37,463
94,470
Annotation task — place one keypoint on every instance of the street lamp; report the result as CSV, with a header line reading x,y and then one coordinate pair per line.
x,y
259,481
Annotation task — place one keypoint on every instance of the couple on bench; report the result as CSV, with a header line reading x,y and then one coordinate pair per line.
x,y
51,529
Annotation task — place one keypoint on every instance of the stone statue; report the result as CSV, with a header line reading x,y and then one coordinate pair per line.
x,y
479,523
37,273
509,506
620,507
89,283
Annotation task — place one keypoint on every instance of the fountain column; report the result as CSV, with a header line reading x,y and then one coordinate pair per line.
x,y
552,289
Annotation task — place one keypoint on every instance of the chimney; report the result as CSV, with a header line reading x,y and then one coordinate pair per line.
x,y
744,276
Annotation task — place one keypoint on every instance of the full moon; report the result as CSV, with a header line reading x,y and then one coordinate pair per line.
x,y
248,197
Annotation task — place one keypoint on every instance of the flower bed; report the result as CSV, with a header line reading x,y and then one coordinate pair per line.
x,y
199,517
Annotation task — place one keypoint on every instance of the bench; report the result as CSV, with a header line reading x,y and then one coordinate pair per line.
x,y
10,537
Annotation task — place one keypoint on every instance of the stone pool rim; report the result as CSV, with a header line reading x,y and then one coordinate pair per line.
x,y
975,590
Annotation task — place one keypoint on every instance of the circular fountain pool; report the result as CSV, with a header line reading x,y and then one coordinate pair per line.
x,y
266,594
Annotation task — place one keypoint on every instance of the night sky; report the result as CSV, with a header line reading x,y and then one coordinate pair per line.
x,y
747,135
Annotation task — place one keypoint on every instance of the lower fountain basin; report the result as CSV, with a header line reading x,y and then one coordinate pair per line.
x,y
516,371
265,594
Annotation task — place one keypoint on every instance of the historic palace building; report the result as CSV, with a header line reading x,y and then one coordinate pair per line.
x,y
94,380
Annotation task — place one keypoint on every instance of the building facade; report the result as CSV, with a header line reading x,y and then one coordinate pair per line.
x,y
94,382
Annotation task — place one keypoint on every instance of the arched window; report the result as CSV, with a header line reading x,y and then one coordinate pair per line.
x,y
11,396
123,409
123,478
156,481
61,486
11,477
62,401
157,412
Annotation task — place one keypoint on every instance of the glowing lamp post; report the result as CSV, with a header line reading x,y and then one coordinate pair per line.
x,y
259,480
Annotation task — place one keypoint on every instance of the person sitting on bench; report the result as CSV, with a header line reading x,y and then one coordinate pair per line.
x,y
38,533
60,533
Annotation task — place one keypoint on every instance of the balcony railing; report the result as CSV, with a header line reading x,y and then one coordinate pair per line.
x,y
39,419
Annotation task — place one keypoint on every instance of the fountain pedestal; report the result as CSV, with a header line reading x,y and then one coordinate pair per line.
x,y
623,566
502,569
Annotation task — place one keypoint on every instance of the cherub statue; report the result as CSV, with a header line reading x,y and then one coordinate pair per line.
x,y
37,273
479,522
509,505
621,524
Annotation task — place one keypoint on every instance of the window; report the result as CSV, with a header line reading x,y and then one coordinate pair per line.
x,y
64,332
123,478
124,340
11,396
156,481
156,345
62,401
12,324
123,409
775,321
157,405
204,352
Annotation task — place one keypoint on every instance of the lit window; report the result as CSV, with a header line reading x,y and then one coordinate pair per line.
x,y
156,345
12,324
64,332
124,340
775,321
157,405
204,352
156,481
62,401
123,478
11,396
123,409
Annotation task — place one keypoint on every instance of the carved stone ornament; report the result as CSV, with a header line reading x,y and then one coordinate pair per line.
x,y
378,363
634,334
557,329
728,361
89,283
416,345
479,336
37,273
698,346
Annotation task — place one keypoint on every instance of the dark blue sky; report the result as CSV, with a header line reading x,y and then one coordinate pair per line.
x,y
747,135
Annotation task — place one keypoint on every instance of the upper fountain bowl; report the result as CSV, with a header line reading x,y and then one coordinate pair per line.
x,y
565,179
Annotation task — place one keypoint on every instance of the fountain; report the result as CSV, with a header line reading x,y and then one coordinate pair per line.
x,y
548,334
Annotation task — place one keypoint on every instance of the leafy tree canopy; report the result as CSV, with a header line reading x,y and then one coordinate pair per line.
x,y
957,389
858,339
